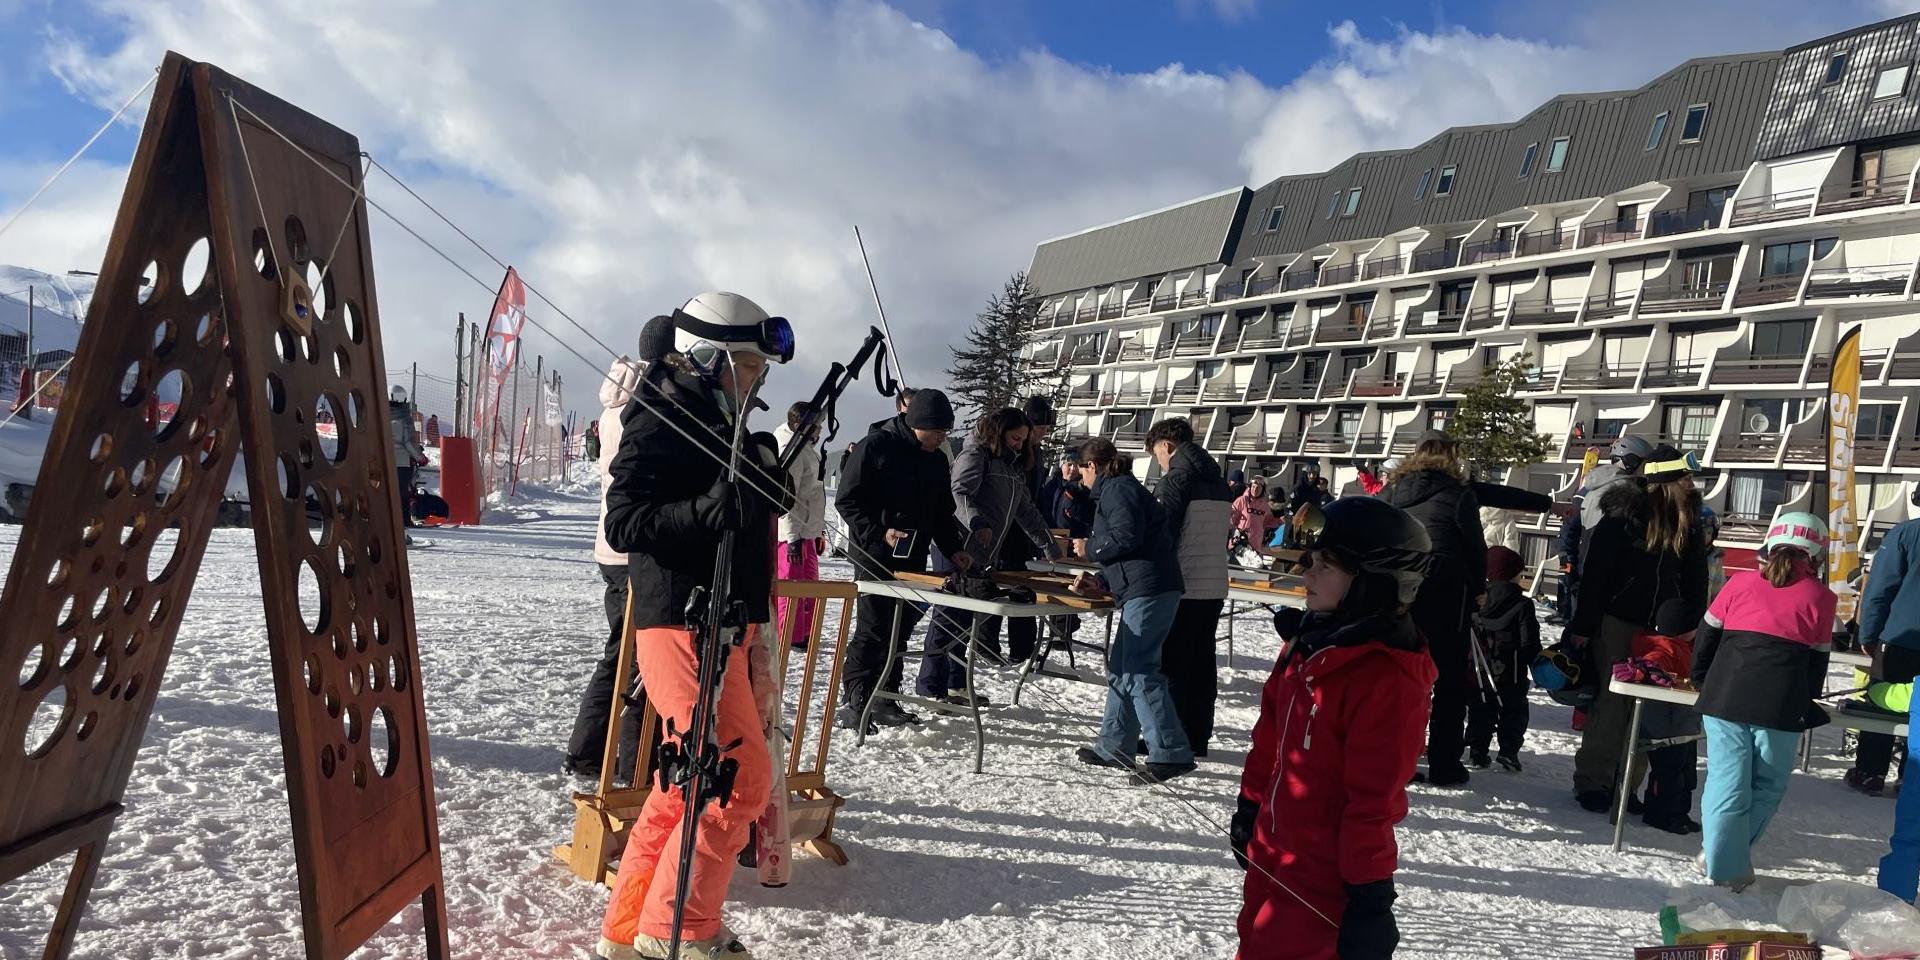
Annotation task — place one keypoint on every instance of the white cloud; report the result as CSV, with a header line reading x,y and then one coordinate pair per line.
x,y
626,159
1232,11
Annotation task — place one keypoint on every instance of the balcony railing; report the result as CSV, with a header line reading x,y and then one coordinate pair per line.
x,y
1132,395
1130,439
1128,349
1683,298
1085,315
1871,363
1184,393
1674,373
1540,381
1106,398
1612,231
1341,331
1758,370
1164,301
1439,258
1377,385
1871,451
1483,317
1378,267
1370,445
1907,453
1222,392
1544,313
1193,298
1744,526
1328,443
1344,273
1299,279
1403,443
1263,340
1261,286
1426,385
1749,448
1381,326
1138,306
1298,334
1668,223
1606,306
1807,450
1551,240
1287,443
1768,290
1483,251
1433,321
1577,447
1600,376
1790,205
1906,365
1084,396
1294,390
1865,194
1864,281
1109,311
1229,291
1254,443
1185,347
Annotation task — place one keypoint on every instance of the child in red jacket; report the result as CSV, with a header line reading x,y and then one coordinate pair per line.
x,y
1342,723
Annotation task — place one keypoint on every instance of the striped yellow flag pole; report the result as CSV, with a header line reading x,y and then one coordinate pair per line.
x,y
1843,408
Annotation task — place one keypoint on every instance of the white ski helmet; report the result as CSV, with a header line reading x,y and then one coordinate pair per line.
x,y
398,394
713,324
1797,529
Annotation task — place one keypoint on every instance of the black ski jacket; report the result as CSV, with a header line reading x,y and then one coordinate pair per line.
x,y
658,474
1509,632
891,482
1620,576
1451,513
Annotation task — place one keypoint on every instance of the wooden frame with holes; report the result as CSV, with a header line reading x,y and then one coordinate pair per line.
x,y
280,336
602,819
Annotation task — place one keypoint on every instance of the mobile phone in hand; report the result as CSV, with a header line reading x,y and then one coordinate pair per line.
x,y
903,548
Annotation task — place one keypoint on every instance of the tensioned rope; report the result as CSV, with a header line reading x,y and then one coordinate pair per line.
x,y
758,484
77,154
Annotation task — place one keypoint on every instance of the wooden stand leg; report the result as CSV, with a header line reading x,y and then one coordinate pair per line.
x,y
73,903
433,905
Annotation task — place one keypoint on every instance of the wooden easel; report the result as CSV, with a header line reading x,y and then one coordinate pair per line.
x,y
602,819
282,329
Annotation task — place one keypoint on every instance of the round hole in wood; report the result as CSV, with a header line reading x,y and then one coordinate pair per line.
x,y
210,449
350,723
102,675
310,672
87,723
57,575
350,314
131,601
135,641
101,604
319,515
263,255
356,684
340,645
193,269
331,699
102,448
204,329
70,654
306,454
136,528
359,773
90,534
133,687
383,741
164,335
160,609
289,476
380,635
172,391
373,551
320,281
276,394
283,344
356,408
133,391
149,282
35,666
315,609
142,472
376,681
172,483
341,366
332,433
397,673
48,722
297,248
69,615
165,551
343,559
115,482
326,760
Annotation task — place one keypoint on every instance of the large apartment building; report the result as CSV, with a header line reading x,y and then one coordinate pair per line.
x,y
1677,260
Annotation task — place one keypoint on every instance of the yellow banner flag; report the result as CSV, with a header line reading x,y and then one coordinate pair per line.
x,y
1843,409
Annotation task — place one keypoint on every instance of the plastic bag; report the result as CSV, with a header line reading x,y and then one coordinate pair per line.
x,y
1840,913
1704,907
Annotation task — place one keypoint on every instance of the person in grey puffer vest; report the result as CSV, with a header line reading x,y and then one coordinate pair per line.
x,y
1195,498
406,447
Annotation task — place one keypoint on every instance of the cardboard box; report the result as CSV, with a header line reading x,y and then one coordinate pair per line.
x,y
1730,951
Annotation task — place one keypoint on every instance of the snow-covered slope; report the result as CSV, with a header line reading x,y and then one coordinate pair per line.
x,y
59,304
1038,857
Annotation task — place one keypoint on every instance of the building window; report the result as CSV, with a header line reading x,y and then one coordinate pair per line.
x,y
1353,202
1781,339
1877,421
1696,123
1557,154
1274,217
1892,82
1658,131
1445,186
1836,68
1791,259
1333,205
1420,191
1526,159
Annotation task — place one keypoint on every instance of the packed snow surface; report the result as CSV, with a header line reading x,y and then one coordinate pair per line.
x,y
1038,857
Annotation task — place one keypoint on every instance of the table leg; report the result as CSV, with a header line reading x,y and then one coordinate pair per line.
x,y
894,643
1232,607
1626,771
973,703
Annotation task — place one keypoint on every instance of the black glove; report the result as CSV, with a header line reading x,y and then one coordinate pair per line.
x,y
1367,929
1240,833
719,508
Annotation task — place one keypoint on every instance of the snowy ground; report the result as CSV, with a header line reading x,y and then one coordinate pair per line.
x,y
1038,857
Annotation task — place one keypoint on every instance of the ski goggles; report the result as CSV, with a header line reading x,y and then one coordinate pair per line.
x,y
1684,465
771,338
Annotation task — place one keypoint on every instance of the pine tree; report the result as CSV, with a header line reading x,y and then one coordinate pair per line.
x,y
988,372
1493,426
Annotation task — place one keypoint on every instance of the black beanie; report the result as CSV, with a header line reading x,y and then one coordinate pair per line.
x,y
1038,411
930,411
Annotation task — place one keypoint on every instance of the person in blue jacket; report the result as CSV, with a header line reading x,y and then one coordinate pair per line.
x,y
1890,614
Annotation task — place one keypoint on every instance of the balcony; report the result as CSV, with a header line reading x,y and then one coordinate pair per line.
x,y
1229,291
1871,363
1381,326
1612,231
1906,365
1185,347
1377,385
1439,258
1261,286
1287,443
1193,298
1749,448
1342,331
1128,350
1907,453
1768,290
1110,311
1163,302
1807,450
1344,273
1864,194
1498,248
1130,439
1223,392
1683,298
1263,340
1083,397
1138,306
1434,321
1299,280
1544,313
1404,443
1426,385
1866,281
1085,315
1791,205
1294,391
1106,398
1328,443
1254,443
1184,393
1600,376
1379,267
1483,317
1871,451
1131,395
1298,334
1758,370
1577,447
1674,373
1744,527
1670,223
1540,381
1607,306
1552,240
1370,445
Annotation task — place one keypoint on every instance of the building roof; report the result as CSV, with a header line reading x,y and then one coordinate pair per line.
x,y
1184,235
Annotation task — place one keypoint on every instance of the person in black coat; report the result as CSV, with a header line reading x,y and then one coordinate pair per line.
x,y
896,496
1193,495
1067,502
1509,637
1430,484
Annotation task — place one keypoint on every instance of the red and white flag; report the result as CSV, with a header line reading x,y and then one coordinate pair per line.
x,y
503,348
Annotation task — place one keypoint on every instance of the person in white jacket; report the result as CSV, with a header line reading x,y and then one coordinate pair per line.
x,y
803,529
588,742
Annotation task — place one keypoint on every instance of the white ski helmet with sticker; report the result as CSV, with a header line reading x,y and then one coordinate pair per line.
x,y
713,324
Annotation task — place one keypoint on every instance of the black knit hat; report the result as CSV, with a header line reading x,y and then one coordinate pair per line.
x,y
930,411
1039,411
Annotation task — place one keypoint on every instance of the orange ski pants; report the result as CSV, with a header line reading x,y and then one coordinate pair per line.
x,y
649,868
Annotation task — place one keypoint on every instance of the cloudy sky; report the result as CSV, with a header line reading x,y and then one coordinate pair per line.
x,y
627,153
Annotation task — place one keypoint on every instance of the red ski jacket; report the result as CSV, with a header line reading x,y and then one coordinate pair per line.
x,y
1339,734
